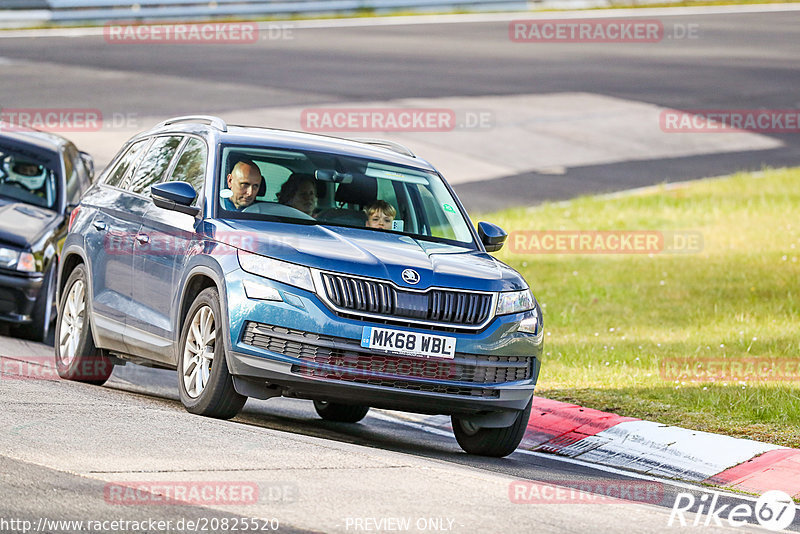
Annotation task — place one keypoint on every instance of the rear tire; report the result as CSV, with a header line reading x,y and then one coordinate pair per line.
x,y
495,442
204,383
77,357
341,413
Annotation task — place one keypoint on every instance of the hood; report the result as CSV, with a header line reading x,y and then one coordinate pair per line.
x,y
370,253
22,225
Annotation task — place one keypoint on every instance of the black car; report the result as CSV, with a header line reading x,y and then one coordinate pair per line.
x,y
42,177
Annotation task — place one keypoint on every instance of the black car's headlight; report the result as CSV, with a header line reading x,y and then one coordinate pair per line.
x,y
515,302
15,259
280,271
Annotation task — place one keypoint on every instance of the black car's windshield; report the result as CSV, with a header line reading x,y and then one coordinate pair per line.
x,y
26,180
319,188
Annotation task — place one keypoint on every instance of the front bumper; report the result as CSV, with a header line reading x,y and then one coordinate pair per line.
x,y
18,295
300,348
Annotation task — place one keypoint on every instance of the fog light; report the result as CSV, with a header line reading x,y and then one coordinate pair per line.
x,y
257,291
529,325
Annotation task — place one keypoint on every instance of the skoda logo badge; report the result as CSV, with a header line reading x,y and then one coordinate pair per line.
x,y
410,276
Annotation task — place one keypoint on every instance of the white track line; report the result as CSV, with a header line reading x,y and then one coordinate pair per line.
x,y
573,461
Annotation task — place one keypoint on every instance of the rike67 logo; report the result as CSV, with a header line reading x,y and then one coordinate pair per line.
x,y
774,510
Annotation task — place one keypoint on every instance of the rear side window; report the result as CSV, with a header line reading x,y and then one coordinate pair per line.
x,y
154,163
191,166
115,176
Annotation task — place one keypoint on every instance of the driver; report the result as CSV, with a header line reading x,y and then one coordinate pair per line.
x,y
27,169
31,176
243,184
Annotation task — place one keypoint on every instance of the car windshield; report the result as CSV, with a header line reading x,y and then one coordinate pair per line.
x,y
321,188
26,180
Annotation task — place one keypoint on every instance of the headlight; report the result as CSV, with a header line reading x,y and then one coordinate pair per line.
x,y
280,271
8,258
514,302
14,259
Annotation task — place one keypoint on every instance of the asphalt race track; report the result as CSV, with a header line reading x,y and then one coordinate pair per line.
x,y
67,445
724,61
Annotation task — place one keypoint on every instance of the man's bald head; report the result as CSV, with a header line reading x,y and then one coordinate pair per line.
x,y
244,181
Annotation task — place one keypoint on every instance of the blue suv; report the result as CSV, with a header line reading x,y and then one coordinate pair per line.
x,y
263,263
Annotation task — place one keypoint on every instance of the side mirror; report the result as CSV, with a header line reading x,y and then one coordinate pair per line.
x,y
88,162
492,236
175,196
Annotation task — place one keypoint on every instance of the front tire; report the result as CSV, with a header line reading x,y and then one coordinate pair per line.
x,y
495,442
42,317
77,357
204,383
341,413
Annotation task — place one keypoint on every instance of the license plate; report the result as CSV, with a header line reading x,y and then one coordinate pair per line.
x,y
408,343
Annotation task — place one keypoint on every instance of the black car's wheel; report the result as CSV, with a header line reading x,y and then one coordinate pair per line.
x,y
341,413
42,317
204,383
496,442
77,358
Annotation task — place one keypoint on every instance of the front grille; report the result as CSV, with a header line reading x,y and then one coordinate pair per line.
x,y
382,298
344,359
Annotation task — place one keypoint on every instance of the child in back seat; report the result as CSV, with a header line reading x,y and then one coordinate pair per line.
x,y
380,214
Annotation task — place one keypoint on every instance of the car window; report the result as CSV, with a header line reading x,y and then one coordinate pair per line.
x,y
154,163
191,166
68,165
348,191
126,162
74,188
24,179
274,176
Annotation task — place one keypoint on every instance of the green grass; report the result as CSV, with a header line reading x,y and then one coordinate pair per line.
x,y
611,320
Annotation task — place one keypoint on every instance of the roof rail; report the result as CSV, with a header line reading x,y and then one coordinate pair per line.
x,y
391,145
216,122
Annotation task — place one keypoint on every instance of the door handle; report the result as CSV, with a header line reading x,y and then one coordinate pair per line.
x,y
143,238
100,225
